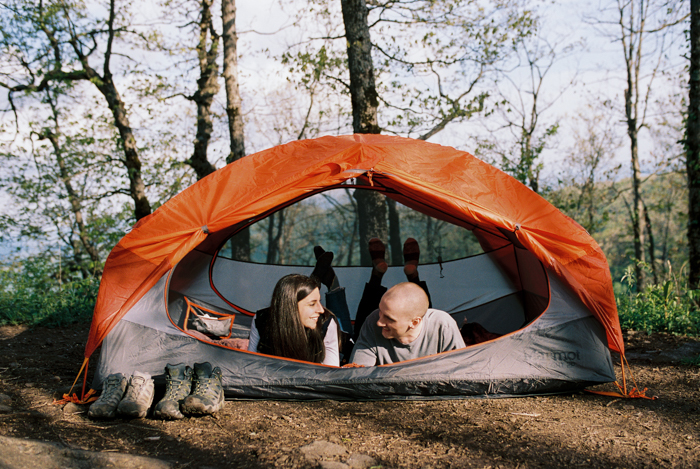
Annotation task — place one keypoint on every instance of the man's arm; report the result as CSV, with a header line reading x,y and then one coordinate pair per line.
x,y
451,338
365,351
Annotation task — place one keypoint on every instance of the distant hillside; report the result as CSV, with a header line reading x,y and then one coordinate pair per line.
x,y
604,212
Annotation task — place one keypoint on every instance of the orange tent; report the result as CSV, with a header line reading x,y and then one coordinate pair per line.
x,y
445,182
554,286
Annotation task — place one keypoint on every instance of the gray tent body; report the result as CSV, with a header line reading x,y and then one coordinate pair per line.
x,y
552,342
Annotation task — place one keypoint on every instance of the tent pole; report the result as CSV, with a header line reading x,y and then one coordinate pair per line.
x,y
85,364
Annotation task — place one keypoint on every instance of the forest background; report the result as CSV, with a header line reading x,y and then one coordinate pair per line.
x,y
109,108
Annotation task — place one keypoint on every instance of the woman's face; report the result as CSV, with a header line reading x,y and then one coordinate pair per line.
x,y
310,309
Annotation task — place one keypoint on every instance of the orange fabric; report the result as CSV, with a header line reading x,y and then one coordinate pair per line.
x,y
633,393
440,178
86,399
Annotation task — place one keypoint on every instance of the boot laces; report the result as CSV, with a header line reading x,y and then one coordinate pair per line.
x,y
112,390
174,388
137,382
207,386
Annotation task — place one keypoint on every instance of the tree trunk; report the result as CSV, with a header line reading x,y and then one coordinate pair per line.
x,y
73,197
363,92
207,88
274,236
527,159
429,235
240,245
693,149
78,258
394,233
137,188
233,95
371,207
652,248
75,204
371,211
638,203
632,37
355,228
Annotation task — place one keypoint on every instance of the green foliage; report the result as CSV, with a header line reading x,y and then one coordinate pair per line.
x,y
527,167
691,361
664,307
32,295
602,208
329,219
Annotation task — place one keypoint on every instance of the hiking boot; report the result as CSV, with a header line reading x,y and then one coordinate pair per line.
x,y
208,394
139,396
112,392
178,384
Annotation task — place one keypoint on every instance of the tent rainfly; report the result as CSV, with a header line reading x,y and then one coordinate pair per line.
x,y
542,281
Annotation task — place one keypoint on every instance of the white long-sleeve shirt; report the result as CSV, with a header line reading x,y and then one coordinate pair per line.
x,y
330,342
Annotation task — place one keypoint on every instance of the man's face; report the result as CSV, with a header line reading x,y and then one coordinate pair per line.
x,y
394,322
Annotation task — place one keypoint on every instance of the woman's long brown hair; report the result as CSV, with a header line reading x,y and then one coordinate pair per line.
x,y
284,335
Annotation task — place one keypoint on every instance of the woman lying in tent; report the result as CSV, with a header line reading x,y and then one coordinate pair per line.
x,y
296,325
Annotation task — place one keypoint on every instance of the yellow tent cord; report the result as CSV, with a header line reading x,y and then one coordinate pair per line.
x,y
633,393
85,398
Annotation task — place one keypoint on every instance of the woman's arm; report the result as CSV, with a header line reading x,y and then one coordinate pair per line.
x,y
330,342
254,337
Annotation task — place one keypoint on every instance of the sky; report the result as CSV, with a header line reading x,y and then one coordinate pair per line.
x,y
264,25
596,66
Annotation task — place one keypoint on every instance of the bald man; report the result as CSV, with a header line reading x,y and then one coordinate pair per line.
x,y
403,328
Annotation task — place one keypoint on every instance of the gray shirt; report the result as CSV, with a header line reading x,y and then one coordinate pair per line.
x,y
438,334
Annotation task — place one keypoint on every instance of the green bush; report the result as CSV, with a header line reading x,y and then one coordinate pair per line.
x,y
666,307
32,295
691,361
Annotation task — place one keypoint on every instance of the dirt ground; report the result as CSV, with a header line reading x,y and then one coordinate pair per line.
x,y
571,430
